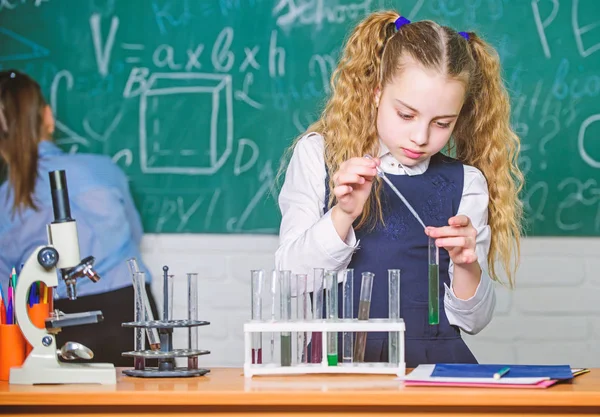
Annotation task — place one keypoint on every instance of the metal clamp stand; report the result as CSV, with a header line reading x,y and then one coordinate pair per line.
x,y
166,354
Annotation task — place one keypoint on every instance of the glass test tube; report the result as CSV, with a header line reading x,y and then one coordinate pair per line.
x,y
258,277
285,303
151,333
434,282
139,341
331,307
171,295
364,308
192,279
301,315
274,287
347,313
316,343
394,314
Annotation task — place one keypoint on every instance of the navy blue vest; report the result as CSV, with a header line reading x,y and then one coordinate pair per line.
x,y
401,243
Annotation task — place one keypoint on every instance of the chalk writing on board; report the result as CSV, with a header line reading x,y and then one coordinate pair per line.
x,y
104,136
582,193
579,31
12,4
543,23
132,48
26,49
317,12
124,154
240,166
534,201
103,50
166,17
236,224
250,59
216,141
71,135
175,210
583,141
243,94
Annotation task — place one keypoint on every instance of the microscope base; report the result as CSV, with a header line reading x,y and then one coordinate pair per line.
x,y
65,373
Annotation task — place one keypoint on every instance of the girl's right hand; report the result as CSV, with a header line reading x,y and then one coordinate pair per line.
x,y
352,185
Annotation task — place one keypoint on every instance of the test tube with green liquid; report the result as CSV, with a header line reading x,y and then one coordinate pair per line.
x,y
394,314
285,287
331,310
364,309
434,282
347,313
316,343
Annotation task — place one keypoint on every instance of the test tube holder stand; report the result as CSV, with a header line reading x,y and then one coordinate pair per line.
x,y
324,326
166,355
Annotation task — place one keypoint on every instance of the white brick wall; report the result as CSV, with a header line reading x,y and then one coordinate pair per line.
x,y
553,316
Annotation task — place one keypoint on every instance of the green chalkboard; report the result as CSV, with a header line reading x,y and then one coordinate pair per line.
x,y
197,99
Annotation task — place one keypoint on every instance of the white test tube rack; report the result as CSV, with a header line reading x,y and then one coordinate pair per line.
x,y
324,326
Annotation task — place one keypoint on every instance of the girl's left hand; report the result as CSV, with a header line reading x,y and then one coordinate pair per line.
x,y
458,238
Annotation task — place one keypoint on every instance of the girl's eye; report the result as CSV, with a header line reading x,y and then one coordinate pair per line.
x,y
443,125
405,116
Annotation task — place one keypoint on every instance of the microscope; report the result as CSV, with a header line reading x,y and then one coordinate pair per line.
x,y
46,263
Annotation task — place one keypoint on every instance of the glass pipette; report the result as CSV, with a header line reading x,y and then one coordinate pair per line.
x,y
381,174
433,251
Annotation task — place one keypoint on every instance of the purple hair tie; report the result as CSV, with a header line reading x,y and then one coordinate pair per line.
x,y
464,35
401,21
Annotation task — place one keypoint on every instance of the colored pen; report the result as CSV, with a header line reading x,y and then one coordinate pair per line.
x,y
14,277
501,372
9,306
2,307
31,298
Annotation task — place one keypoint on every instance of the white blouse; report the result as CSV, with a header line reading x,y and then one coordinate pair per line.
x,y
307,237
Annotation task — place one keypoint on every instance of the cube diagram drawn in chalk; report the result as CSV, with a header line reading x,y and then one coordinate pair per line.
x,y
186,123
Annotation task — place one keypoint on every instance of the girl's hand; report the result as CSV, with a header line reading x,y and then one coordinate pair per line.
x,y
458,238
352,184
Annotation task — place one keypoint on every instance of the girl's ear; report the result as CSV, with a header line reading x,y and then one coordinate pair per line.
x,y
377,96
48,121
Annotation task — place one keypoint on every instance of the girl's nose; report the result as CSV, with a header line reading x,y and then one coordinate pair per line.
x,y
420,135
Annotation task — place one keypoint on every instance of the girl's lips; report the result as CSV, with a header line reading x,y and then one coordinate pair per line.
x,y
412,154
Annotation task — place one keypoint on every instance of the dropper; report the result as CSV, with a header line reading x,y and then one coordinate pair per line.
x,y
381,174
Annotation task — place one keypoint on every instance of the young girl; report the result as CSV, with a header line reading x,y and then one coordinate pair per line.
x,y
108,224
403,92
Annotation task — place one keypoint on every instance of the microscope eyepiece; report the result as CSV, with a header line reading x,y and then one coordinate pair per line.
x,y
60,196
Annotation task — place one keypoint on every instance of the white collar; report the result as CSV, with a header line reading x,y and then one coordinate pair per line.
x,y
417,169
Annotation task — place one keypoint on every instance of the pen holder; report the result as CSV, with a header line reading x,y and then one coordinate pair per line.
x,y
38,314
12,349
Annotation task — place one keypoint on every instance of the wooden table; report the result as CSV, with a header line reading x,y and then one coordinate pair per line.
x,y
226,392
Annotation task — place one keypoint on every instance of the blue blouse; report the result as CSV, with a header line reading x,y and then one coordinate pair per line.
x,y
108,224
